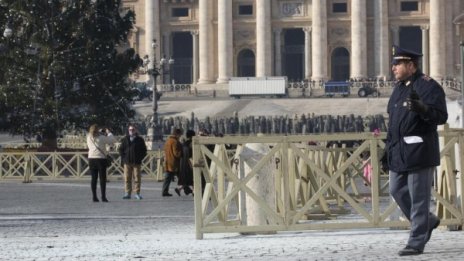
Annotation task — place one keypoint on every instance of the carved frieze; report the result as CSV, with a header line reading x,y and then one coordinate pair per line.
x,y
339,32
244,35
291,9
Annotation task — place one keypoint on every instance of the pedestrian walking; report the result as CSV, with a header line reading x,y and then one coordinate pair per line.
x,y
132,151
416,106
97,140
172,155
185,177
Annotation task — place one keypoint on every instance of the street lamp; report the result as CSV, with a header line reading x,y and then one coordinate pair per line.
x,y
462,84
163,63
171,63
156,134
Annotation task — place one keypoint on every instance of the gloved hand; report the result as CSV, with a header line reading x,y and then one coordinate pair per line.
x,y
415,104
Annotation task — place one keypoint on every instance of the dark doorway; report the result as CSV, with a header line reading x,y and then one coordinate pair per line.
x,y
340,64
246,63
293,54
411,38
182,53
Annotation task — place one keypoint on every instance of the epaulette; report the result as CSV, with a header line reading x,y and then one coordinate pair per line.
x,y
426,77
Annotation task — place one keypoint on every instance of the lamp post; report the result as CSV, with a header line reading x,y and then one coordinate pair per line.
x,y
462,84
156,134
171,63
163,64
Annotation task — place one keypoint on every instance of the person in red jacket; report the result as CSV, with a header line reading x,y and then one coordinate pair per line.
x,y
172,156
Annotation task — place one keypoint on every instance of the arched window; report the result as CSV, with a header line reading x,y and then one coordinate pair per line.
x,y
246,63
340,64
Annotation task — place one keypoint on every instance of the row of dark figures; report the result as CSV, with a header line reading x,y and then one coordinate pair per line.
x,y
274,125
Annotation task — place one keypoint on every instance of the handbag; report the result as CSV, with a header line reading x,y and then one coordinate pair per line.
x,y
109,159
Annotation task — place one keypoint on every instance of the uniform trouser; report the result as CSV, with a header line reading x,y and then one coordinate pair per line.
x,y
132,171
412,192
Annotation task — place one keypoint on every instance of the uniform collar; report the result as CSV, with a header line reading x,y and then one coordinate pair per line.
x,y
411,79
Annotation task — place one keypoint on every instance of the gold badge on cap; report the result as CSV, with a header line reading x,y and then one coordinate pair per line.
x,y
393,50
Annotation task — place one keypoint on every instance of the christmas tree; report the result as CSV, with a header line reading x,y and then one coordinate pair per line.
x,y
64,66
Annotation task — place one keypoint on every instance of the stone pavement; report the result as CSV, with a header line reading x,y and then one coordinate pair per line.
x,y
56,220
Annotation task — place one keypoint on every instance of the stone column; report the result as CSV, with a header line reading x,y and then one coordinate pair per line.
x,y
358,39
307,55
166,45
224,40
166,53
319,40
195,56
206,46
395,34
381,46
425,49
152,29
437,43
263,38
278,52
452,56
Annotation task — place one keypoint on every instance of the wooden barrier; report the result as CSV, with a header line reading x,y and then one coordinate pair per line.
x,y
315,187
30,165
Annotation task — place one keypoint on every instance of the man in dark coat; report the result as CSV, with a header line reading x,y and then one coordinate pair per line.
x,y
132,150
416,106
185,177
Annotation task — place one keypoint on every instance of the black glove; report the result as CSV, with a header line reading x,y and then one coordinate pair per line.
x,y
415,103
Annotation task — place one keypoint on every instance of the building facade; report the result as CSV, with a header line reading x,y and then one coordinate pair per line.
x,y
317,40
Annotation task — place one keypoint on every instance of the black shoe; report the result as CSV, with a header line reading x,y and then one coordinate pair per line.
x,y
188,191
96,200
409,251
105,200
177,191
167,195
429,234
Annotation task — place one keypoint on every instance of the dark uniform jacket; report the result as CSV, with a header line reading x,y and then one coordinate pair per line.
x,y
412,139
132,152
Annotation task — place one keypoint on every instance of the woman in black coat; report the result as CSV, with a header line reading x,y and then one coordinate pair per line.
x,y
185,178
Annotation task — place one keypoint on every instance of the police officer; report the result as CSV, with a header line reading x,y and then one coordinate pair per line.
x,y
416,106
